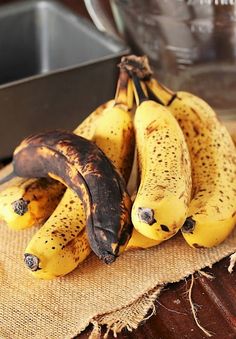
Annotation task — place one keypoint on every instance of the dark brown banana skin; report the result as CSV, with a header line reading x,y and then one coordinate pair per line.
x,y
84,168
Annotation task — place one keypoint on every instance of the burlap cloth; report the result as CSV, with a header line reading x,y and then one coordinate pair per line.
x,y
118,295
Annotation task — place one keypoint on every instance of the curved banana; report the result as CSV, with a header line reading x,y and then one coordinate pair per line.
x,y
68,218
26,203
61,243
87,127
212,211
161,205
114,132
82,166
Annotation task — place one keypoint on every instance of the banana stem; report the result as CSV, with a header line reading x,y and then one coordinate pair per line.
x,y
140,96
124,93
162,94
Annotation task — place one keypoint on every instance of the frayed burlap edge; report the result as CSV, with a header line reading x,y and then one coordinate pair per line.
x,y
232,262
130,316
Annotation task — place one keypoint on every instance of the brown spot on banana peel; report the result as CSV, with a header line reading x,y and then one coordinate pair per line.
x,y
217,209
165,228
196,130
198,117
181,195
152,127
97,184
41,183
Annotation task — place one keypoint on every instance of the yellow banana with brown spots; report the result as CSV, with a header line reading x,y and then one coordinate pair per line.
x,y
61,243
114,132
161,204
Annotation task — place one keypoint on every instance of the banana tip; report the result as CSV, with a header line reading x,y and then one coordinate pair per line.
x,y
108,258
188,225
32,262
146,215
20,206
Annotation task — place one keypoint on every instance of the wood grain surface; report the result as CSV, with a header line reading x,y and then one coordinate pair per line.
x,y
215,304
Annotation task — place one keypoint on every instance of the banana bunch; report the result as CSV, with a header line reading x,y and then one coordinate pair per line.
x,y
75,184
69,218
62,243
212,210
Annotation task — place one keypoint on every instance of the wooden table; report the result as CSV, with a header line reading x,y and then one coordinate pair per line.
x,y
216,309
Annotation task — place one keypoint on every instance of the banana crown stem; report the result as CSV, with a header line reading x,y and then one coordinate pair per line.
x,y
140,96
124,93
162,94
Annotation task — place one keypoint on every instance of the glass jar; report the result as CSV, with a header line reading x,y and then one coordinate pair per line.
x,y
191,44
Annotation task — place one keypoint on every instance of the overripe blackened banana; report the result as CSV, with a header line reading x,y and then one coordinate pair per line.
x,y
82,166
26,203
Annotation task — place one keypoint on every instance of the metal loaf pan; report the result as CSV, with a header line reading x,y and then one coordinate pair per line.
x,y
55,68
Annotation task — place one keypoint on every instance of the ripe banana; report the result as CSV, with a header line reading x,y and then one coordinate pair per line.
x,y
82,166
25,203
161,205
114,132
61,243
69,218
212,211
